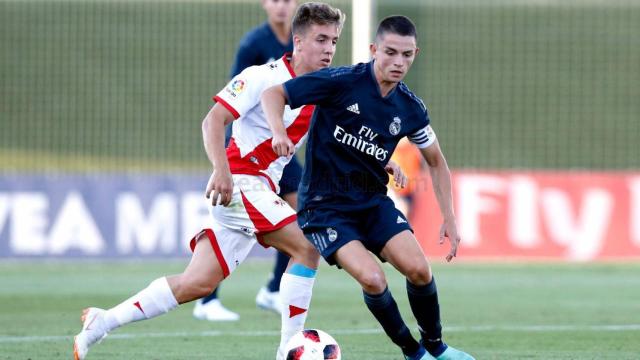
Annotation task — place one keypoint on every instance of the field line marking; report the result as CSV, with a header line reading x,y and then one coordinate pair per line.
x,y
480,328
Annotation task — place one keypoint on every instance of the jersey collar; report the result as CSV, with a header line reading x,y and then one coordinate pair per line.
x,y
285,59
375,82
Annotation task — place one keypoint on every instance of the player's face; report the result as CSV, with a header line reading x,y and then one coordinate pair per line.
x,y
394,55
317,46
279,11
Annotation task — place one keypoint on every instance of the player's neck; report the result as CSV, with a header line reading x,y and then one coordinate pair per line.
x,y
282,31
385,86
298,66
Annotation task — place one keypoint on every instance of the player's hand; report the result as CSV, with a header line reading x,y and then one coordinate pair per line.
x,y
399,177
282,145
449,229
220,188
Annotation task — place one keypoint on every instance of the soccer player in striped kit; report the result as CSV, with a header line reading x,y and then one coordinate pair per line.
x,y
262,44
243,192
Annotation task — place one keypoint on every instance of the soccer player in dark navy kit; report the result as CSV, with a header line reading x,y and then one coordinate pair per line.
x,y
265,43
362,111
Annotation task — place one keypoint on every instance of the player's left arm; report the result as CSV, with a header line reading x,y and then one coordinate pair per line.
x,y
441,179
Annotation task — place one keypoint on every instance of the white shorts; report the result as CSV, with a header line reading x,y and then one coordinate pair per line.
x,y
255,210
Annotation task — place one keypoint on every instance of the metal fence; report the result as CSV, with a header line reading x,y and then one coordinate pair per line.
x,y
123,85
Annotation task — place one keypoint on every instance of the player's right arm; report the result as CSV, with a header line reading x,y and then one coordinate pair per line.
x,y
315,88
273,101
220,185
236,99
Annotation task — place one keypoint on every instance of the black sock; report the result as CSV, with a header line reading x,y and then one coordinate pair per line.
x,y
282,260
425,307
385,310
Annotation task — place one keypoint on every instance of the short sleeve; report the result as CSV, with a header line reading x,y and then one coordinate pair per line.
x,y
242,93
316,88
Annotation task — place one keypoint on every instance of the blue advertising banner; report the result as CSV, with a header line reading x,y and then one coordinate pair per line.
x,y
101,215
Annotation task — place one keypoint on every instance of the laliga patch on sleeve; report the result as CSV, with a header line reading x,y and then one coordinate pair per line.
x,y
236,87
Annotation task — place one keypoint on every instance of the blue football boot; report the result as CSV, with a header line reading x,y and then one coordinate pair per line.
x,y
454,354
421,355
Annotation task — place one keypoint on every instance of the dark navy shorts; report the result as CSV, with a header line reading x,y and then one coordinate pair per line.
x,y
328,229
291,176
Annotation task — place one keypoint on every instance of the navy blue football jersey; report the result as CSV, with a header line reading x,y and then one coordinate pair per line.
x,y
353,132
259,46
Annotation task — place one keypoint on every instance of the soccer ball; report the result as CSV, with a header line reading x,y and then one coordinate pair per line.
x,y
312,344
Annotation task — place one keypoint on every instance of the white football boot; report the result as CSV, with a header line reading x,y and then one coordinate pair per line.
x,y
268,300
213,311
93,331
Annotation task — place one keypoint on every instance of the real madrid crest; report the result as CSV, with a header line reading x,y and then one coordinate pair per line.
x,y
395,126
333,235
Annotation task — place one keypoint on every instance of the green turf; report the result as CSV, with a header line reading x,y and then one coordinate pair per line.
x,y
542,84
537,311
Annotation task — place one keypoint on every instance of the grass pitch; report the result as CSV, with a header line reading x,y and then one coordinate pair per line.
x,y
507,311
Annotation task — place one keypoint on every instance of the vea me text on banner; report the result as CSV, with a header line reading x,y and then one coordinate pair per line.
x,y
104,216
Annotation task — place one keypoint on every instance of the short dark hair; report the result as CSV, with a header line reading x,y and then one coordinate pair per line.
x,y
316,13
396,24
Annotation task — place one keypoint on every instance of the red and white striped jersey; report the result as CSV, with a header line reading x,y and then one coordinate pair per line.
x,y
250,151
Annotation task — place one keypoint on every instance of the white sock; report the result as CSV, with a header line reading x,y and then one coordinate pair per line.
x,y
156,299
295,294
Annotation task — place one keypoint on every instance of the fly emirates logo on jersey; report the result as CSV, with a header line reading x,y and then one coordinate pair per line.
x,y
362,141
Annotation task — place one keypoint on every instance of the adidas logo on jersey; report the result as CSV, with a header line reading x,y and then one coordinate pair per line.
x,y
354,108
401,220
